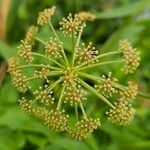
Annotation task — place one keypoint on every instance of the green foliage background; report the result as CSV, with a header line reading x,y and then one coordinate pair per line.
x,y
116,19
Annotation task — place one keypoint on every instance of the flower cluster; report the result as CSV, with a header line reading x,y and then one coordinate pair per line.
x,y
105,85
69,78
74,95
18,80
130,92
131,56
26,105
44,96
86,16
31,33
86,54
122,113
71,25
84,128
45,16
55,120
53,48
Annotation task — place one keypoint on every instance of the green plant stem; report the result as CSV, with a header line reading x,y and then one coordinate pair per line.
x,y
83,111
76,111
41,55
119,86
92,77
60,98
95,92
99,64
51,73
144,94
79,35
73,48
39,66
63,52
39,40
100,56
54,84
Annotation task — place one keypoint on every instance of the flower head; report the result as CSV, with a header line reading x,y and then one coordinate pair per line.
x,y
105,85
131,56
31,33
24,51
86,54
84,128
86,16
55,120
74,95
26,106
122,113
46,15
44,96
130,92
13,66
53,48
70,24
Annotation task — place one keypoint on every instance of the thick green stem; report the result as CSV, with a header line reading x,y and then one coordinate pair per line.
x,y
63,52
83,111
39,66
100,56
60,98
99,64
39,40
41,55
95,92
51,73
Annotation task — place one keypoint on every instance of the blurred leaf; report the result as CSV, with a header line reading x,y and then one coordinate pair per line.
x,y
6,51
142,145
127,10
130,32
11,140
19,120
69,144
5,89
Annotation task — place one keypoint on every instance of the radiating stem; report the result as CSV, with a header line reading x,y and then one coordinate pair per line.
x,y
100,56
92,77
79,35
99,64
51,73
119,86
83,111
39,40
76,111
60,98
41,55
39,66
54,84
95,92
73,48
63,52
